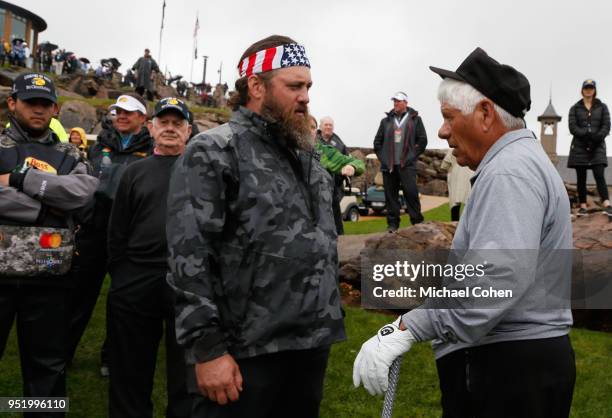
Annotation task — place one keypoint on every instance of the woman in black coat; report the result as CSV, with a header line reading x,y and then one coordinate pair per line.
x,y
589,123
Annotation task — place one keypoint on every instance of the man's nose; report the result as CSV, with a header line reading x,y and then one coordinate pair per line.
x,y
444,131
303,96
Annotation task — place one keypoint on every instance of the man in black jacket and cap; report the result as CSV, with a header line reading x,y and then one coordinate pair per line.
x,y
140,302
119,144
43,184
400,139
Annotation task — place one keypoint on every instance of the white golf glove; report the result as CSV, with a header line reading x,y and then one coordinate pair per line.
x,y
372,364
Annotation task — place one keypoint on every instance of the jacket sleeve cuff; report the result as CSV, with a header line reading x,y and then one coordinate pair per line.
x,y
206,348
419,323
16,180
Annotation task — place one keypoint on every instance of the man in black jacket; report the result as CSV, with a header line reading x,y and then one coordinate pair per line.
x,y
400,139
140,301
122,142
43,183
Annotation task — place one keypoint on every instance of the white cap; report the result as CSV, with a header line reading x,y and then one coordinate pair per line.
x,y
400,95
129,103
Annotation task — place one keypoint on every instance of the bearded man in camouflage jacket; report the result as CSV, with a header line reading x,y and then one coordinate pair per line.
x,y
252,243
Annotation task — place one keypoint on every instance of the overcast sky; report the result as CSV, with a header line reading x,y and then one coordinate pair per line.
x,y
361,51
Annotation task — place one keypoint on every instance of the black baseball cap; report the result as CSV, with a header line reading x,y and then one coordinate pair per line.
x,y
33,86
172,104
589,83
503,84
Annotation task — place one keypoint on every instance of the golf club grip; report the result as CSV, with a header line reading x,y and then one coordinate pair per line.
x,y
394,372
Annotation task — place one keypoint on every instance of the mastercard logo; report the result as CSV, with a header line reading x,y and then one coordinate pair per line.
x,y
39,81
123,99
53,240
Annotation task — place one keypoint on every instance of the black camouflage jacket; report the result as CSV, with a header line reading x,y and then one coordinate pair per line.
x,y
252,244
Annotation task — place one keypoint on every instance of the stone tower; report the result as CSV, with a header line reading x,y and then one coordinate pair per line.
x,y
548,135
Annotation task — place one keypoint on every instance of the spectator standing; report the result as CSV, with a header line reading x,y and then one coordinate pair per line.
x,y
400,139
144,68
589,123
458,180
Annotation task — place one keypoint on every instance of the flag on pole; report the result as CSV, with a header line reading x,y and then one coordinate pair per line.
x,y
195,37
163,14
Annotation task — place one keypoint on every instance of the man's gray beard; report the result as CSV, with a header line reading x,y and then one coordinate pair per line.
x,y
294,130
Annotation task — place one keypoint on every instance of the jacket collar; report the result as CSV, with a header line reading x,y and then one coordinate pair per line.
x,y
411,112
505,140
112,138
260,126
19,135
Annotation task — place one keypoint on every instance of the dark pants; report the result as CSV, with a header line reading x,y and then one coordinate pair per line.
x,y
456,212
404,179
518,379
88,273
140,303
600,180
147,94
41,332
279,385
337,215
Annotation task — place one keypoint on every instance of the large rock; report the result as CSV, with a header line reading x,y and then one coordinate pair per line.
x,y
67,93
420,237
591,234
8,75
435,187
77,113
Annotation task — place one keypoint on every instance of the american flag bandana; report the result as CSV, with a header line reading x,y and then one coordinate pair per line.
x,y
283,56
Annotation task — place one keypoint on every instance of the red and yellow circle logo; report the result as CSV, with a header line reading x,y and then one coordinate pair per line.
x,y
53,240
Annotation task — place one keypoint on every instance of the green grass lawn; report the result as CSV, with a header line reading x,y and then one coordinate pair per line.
x,y
441,213
418,394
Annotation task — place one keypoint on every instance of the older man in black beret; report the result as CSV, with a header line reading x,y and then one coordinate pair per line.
x,y
504,355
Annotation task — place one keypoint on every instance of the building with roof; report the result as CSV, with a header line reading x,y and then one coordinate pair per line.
x,y
17,22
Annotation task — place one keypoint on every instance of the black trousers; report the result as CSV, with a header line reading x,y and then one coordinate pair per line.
x,y
456,212
337,215
279,385
516,379
41,333
600,180
404,179
140,303
88,273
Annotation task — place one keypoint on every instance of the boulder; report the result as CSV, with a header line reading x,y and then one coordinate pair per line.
x,y
435,187
77,113
67,93
592,234
114,93
5,92
8,75
424,236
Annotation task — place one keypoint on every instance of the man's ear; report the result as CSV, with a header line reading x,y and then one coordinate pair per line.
x,y
11,104
487,114
257,87
150,126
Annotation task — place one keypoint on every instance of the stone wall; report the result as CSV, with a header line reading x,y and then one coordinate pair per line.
x,y
430,177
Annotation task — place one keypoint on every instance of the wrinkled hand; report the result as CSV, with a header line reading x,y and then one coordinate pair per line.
x,y
219,379
4,180
348,170
372,364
